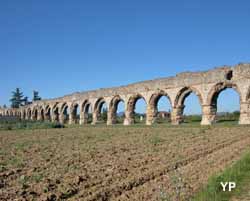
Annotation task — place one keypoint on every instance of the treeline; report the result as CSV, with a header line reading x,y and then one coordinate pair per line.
x,y
18,99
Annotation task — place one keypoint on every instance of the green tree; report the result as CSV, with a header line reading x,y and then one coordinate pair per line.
x,y
17,98
36,96
26,101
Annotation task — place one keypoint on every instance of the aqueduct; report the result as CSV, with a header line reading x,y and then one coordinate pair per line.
x,y
206,85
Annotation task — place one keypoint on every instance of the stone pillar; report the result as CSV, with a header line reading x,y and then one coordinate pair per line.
x,y
62,118
129,119
94,117
83,118
39,116
150,116
81,121
54,117
208,114
244,113
111,117
22,116
177,115
71,118
32,117
46,117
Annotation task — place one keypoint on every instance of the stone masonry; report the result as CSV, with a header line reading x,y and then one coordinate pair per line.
x,y
206,85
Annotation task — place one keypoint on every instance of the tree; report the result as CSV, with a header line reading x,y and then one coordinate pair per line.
x,y
26,101
17,98
36,96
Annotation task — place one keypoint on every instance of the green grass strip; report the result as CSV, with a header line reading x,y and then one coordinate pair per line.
x,y
239,173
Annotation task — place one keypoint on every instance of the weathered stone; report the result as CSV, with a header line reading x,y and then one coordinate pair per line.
x,y
206,85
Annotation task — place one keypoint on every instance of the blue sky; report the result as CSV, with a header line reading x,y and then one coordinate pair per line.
x,y
60,47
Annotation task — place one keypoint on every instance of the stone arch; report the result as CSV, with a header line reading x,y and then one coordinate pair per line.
x,y
113,106
64,113
130,108
73,110
98,106
23,114
214,94
41,113
183,93
47,113
218,88
55,112
35,113
29,113
152,105
86,107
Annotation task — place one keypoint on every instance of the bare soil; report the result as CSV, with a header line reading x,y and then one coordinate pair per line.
x,y
115,163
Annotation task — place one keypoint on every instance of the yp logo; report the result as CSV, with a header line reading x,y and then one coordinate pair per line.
x,y
228,186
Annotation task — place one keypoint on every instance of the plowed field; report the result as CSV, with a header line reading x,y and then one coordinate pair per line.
x,y
115,163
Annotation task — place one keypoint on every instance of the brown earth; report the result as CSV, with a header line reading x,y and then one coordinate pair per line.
x,y
115,163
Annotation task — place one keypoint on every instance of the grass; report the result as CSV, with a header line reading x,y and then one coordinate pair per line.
x,y
16,161
155,140
238,173
18,124
190,120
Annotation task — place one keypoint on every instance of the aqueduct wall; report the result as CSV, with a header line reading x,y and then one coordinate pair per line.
x,y
206,85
